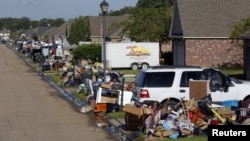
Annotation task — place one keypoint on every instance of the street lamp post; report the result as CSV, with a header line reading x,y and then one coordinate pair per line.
x,y
31,32
48,33
58,56
104,7
61,41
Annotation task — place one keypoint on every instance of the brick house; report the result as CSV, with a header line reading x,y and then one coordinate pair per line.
x,y
246,46
200,31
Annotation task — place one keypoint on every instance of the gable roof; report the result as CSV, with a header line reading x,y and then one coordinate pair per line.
x,y
62,30
49,31
95,23
5,31
245,35
207,18
40,30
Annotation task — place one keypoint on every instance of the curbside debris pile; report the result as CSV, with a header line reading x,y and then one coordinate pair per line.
x,y
187,118
155,120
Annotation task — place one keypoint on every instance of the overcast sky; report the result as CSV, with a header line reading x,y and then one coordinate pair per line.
x,y
67,9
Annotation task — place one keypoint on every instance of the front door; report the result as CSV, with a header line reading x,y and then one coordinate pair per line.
x,y
179,53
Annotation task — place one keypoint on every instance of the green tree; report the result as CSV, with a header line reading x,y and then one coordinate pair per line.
x,y
87,51
24,23
79,30
146,24
149,21
154,3
45,22
123,11
33,24
58,22
14,35
14,24
240,27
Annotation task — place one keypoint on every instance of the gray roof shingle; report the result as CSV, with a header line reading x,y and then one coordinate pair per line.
x,y
95,23
207,18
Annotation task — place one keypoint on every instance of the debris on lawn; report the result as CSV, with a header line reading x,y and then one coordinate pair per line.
x,y
187,118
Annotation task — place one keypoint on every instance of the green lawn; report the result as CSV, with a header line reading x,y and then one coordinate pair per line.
x,y
117,115
192,138
236,73
122,71
55,76
82,96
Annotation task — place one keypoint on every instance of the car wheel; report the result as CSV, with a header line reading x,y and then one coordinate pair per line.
x,y
166,106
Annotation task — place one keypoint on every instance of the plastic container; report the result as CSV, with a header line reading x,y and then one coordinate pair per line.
x,y
230,103
174,135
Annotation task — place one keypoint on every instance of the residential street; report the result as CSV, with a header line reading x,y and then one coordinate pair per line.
x,y
32,110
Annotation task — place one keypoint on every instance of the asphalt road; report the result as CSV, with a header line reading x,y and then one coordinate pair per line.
x,y
32,110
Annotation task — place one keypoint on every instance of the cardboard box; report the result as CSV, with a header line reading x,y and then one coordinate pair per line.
x,y
87,109
158,133
116,86
185,131
167,133
133,122
198,89
107,86
108,99
133,110
159,127
224,110
105,98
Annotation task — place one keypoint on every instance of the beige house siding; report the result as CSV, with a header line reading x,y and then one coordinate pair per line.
x,y
4,34
166,47
96,39
213,52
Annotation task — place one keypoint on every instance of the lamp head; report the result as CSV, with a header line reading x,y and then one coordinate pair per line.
x,y
104,7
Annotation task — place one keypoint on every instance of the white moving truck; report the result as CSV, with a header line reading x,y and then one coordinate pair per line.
x,y
135,55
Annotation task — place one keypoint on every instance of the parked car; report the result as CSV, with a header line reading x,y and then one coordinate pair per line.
x,y
172,83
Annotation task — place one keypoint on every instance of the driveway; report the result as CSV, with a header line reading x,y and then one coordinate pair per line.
x,y
32,110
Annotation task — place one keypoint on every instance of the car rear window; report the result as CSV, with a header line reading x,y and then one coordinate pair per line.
x,y
140,79
159,79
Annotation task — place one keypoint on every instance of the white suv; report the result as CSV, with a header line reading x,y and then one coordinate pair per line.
x,y
172,82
